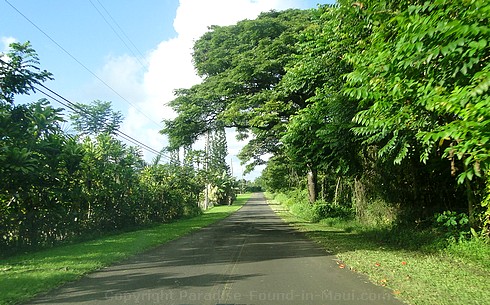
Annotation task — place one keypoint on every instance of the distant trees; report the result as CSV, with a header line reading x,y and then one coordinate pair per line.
x,y
96,118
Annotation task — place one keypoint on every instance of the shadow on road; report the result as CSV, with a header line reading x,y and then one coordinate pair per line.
x,y
253,250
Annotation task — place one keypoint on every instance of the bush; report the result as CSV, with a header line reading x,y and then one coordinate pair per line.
x,y
454,226
324,210
297,203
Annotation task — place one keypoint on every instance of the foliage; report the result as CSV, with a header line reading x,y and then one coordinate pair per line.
x,y
328,210
386,84
240,65
453,225
423,83
223,189
19,72
319,135
96,118
57,187
486,209
218,150
272,178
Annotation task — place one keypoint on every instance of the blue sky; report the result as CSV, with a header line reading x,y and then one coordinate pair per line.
x,y
138,80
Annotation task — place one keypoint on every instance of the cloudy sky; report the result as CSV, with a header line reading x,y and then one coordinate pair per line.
x,y
133,53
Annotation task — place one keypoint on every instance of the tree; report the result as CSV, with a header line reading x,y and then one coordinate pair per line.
x,y
96,118
318,136
19,72
218,150
272,178
424,84
241,66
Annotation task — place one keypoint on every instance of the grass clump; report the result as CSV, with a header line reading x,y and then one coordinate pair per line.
x,y
296,201
24,276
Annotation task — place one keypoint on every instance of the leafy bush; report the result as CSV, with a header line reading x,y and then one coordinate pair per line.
x,y
454,226
324,210
298,205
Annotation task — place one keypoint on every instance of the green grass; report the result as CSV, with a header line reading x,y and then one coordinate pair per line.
x,y
24,276
456,274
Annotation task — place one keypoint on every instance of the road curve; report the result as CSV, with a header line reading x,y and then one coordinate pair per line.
x,y
250,258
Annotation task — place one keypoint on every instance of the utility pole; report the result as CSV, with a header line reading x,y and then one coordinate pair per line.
x,y
231,166
206,167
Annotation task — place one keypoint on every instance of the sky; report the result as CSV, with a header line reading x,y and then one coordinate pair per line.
x,y
134,53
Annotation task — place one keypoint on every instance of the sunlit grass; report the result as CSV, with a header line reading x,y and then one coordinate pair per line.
x,y
23,276
457,274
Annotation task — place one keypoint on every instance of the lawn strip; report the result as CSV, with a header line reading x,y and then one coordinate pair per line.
x,y
413,276
24,276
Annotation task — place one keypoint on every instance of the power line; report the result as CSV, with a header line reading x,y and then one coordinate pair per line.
x,y
123,32
74,107
77,109
81,64
115,32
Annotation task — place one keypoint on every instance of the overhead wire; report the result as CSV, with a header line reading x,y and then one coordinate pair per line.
x,y
124,33
116,33
81,64
77,109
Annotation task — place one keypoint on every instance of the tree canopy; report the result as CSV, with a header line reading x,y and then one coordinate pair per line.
x,y
389,98
240,65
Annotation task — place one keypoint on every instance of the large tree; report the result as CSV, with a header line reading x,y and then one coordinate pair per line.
x,y
318,137
241,66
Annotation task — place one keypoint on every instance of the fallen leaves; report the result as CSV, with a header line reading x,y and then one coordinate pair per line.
x,y
340,264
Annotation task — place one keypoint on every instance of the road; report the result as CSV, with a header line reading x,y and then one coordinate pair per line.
x,y
250,258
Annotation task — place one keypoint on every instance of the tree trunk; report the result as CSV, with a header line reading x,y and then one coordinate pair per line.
x,y
312,184
471,203
470,195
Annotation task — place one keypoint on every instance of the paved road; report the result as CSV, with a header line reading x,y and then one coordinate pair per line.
x,y
250,258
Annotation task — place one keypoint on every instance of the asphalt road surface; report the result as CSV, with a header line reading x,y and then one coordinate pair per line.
x,y
250,258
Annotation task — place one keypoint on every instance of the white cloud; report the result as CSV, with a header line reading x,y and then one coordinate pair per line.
x,y
170,66
6,41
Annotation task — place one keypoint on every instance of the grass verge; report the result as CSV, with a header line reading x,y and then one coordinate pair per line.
x,y
457,274
24,276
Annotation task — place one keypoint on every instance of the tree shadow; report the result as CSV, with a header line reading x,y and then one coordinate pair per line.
x,y
203,260
107,285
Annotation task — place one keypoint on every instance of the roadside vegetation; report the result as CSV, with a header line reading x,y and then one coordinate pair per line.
x,y
374,116
425,267
62,184
379,107
25,275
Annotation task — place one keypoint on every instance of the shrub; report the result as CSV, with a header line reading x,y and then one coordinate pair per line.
x,y
454,226
324,210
